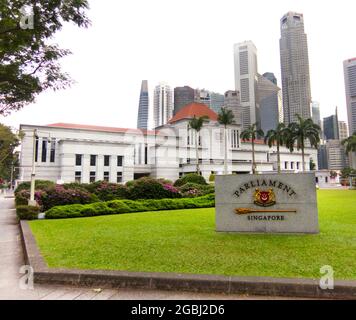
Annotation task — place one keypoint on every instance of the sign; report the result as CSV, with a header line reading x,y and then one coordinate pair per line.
x,y
268,203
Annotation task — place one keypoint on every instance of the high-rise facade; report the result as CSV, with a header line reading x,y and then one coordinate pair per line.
x,y
343,130
232,102
268,97
331,127
143,107
217,101
245,58
350,88
203,96
294,68
316,113
183,96
163,104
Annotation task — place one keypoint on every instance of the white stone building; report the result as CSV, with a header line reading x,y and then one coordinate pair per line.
x,y
71,152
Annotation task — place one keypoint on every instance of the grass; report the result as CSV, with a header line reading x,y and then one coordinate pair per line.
x,y
185,241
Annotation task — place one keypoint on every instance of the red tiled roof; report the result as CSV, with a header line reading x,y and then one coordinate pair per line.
x,y
98,128
194,109
257,141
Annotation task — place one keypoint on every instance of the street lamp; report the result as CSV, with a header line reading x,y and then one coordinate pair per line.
x,y
32,201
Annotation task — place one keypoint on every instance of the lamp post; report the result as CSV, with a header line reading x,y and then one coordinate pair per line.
x,y
32,201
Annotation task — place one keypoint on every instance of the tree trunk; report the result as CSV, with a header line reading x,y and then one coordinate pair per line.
x,y
225,151
303,156
253,157
197,151
278,159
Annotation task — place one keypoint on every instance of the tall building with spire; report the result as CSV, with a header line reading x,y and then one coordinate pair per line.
x,y
162,104
143,107
294,68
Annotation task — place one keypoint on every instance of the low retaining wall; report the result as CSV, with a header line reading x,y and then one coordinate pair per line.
x,y
307,288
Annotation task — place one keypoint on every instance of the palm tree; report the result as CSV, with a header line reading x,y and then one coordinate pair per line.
x,y
300,132
350,143
251,133
225,118
197,124
277,137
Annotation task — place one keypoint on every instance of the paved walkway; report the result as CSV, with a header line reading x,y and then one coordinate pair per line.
x,y
11,260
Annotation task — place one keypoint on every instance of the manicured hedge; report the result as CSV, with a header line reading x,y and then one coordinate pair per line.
x,y
27,212
39,185
128,206
190,178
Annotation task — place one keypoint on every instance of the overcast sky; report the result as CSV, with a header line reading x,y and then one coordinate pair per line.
x,y
186,42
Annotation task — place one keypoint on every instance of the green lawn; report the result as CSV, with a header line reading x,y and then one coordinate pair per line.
x,y
185,241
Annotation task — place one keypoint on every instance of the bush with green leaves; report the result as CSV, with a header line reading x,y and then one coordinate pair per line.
x,y
190,178
148,188
191,190
59,196
128,206
39,185
212,178
22,197
25,212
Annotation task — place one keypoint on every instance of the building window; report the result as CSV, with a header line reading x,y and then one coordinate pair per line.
x,y
286,165
298,165
106,161
36,149
119,177
146,154
92,176
119,161
78,177
78,159
292,165
106,176
234,139
44,150
53,150
92,160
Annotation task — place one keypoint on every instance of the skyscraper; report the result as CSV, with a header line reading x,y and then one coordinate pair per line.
x,y
343,130
216,101
183,96
316,113
143,107
331,127
350,88
295,68
245,56
232,102
202,96
268,94
163,104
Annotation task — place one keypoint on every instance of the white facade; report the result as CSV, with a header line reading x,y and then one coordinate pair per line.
x,y
87,153
245,55
162,104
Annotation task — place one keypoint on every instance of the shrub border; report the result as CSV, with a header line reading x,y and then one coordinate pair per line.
x,y
306,288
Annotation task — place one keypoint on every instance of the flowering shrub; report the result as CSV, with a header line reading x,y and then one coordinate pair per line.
x,y
106,191
39,185
148,188
191,190
60,196
22,197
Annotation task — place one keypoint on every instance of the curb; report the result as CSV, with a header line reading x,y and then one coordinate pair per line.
x,y
305,288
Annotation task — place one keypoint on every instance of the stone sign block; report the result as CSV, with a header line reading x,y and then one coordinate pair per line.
x,y
266,203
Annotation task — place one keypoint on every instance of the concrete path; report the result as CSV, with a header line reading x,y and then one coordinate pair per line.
x,y
11,260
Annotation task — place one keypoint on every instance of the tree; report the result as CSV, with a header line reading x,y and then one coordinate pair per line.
x,y
277,137
350,143
300,132
28,58
251,134
225,118
197,124
8,158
